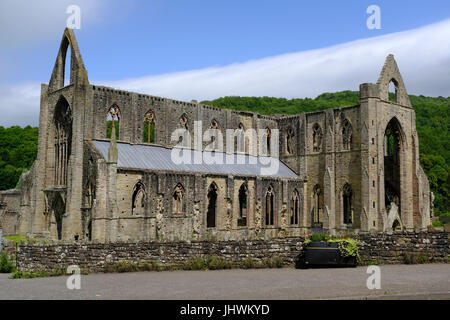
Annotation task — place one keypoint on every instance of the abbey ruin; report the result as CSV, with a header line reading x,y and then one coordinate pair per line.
x,y
352,169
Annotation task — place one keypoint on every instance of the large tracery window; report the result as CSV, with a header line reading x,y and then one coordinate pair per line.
x,y
113,119
149,127
138,199
317,138
63,140
346,135
270,201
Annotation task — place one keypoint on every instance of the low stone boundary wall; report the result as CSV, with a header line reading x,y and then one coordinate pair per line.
x,y
402,248
379,248
94,257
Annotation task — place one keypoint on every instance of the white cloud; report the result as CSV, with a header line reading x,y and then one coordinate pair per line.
x,y
423,56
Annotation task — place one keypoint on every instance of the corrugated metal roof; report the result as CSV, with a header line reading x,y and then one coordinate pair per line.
x,y
159,158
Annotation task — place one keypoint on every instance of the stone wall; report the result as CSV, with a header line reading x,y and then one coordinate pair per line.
x,y
94,257
401,248
381,248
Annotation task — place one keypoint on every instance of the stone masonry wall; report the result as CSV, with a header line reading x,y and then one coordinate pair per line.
x,y
381,248
391,249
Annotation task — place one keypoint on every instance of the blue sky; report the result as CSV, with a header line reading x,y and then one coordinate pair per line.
x,y
129,42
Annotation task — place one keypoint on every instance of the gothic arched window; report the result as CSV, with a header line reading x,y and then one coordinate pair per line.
x,y
178,198
243,205
290,141
149,127
295,202
183,139
212,206
138,199
347,199
270,201
215,132
113,118
317,138
346,135
63,140
317,204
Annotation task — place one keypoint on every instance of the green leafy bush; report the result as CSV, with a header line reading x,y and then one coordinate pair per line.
x,y
348,247
6,265
38,274
438,223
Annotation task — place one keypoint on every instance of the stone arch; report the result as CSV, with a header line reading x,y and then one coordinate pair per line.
x,y
391,73
347,198
241,141
139,199
396,226
243,205
290,140
347,135
59,209
393,83
183,139
113,117
149,127
62,122
295,208
216,131
394,166
88,204
211,215
77,70
270,206
317,206
317,136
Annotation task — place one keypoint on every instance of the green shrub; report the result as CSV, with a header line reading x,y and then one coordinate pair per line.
x,y
438,223
319,236
6,265
348,247
197,263
38,274
249,263
216,263
121,267
275,262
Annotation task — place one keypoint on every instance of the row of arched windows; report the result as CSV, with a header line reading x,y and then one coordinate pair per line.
x,y
346,136
139,199
318,204
242,141
113,118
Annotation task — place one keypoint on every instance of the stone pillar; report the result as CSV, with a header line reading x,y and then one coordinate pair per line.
x,y
372,159
112,212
